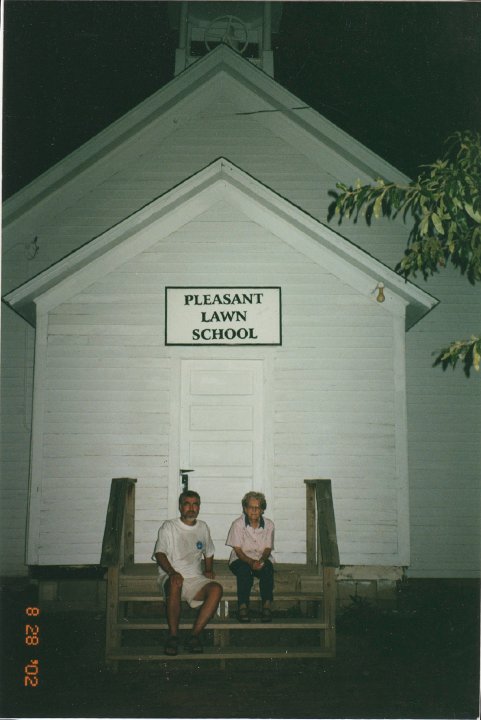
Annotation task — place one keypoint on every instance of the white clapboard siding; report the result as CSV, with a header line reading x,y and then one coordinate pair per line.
x,y
444,426
105,419
15,413
444,414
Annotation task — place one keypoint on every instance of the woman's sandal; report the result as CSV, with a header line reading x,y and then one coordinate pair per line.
x,y
266,615
194,645
243,615
171,646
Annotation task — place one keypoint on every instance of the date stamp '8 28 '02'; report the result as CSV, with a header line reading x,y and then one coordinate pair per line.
x,y
32,639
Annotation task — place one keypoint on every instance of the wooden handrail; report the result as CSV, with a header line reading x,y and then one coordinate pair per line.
x,y
322,548
118,541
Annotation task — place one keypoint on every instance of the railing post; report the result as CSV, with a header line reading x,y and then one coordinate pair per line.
x,y
330,595
326,524
112,634
311,529
321,535
122,493
117,550
129,526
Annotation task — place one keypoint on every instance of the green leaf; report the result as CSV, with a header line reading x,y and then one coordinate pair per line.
x,y
424,225
473,213
378,207
437,223
476,358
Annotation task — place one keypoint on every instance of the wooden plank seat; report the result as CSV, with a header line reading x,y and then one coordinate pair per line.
x,y
139,583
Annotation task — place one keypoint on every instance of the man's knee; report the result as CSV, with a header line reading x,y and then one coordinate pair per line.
x,y
173,591
215,591
211,594
169,585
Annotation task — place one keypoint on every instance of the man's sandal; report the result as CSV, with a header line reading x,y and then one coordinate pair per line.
x,y
194,645
171,646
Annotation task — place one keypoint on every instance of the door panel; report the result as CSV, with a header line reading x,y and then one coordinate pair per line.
x,y
216,418
221,437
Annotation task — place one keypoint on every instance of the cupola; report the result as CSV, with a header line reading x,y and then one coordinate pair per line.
x,y
246,27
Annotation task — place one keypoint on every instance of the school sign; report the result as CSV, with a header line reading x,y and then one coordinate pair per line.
x,y
223,316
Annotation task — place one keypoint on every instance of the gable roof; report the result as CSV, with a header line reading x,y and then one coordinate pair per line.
x,y
186,201
255,91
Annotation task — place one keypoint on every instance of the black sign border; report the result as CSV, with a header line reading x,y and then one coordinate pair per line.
x,y
223,287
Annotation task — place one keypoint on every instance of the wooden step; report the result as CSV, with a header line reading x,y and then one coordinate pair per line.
x,y
142,578
227,624
219,653
221,567
227,596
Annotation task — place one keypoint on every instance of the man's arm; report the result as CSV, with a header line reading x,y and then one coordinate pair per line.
x,y
209,567
164,563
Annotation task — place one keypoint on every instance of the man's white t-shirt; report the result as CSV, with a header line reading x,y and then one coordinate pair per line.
x,y
185,546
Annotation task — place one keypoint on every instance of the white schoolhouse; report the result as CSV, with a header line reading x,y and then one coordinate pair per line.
x,y
176,300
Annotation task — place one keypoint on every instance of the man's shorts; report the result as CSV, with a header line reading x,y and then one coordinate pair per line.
x,y
190,588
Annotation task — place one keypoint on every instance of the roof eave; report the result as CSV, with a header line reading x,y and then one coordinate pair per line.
x,y
23,299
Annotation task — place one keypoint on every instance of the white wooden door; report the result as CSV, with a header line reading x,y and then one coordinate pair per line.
x,y
221,437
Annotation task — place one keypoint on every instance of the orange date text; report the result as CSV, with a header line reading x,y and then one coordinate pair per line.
x,y
32,638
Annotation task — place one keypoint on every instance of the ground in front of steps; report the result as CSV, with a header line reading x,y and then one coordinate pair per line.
x,y
418,661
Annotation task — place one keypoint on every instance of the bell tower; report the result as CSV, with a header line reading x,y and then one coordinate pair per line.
x,y
246,27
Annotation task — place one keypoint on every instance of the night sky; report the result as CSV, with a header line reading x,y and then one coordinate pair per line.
x,y
399,77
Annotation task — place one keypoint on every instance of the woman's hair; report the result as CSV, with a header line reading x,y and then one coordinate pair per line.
x,y
254,496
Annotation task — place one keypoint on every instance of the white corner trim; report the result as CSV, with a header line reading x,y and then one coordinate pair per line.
x,y
36,451
268,403
174,437
401,450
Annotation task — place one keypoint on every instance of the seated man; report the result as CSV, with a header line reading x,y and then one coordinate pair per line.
x,y
251,538
179,549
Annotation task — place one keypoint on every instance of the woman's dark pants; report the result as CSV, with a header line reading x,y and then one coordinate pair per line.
x,y
245,578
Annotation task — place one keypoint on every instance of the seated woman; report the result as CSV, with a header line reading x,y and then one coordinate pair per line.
x,y
251,538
